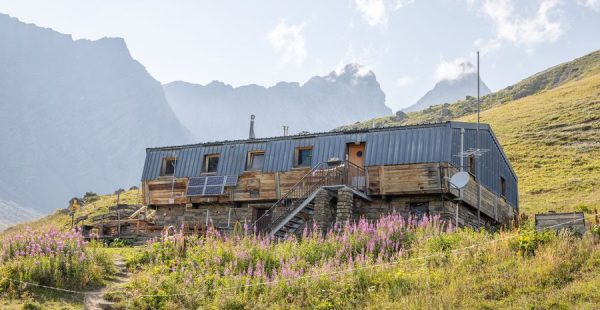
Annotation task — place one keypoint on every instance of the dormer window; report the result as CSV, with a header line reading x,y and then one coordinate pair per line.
x,y
303,157
256,161
211,162
168,166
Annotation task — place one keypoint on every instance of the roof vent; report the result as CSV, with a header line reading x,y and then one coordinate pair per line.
x,y
252,136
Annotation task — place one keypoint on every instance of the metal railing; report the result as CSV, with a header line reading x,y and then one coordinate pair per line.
x,y
323,174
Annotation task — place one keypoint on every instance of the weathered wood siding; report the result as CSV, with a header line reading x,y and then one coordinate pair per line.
x,y
492,205
165,191
404,179
394,180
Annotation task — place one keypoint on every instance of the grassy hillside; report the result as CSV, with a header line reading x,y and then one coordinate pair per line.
x,y
553,141
549,126
61,219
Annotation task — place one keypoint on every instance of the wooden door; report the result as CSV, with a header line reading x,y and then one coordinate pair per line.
x,y
356,154
262,221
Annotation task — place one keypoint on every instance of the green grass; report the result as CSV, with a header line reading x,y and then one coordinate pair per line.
x,y
553,141
528,271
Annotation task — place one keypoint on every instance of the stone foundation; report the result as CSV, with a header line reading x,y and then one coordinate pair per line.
x,y
329,208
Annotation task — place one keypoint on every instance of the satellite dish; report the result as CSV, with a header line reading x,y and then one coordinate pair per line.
x,y
460,180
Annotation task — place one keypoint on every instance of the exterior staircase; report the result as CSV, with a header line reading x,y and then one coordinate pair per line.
x,y
295,209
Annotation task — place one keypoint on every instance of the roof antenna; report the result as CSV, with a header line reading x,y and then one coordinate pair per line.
x,y
252,136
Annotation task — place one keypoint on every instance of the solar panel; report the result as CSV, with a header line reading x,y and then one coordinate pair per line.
x,y
210,185
195,191
216,180
231,180
213,190
200,181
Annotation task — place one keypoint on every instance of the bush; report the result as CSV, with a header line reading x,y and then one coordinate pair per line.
x,y
90,197
596,231
529,240
121,243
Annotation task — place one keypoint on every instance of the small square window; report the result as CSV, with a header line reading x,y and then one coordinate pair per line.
x,y
256,161
303,157
211,162
168,167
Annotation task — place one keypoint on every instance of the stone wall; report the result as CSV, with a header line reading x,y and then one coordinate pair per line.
x,y
191,217
324,214
467,215
329,208
345,206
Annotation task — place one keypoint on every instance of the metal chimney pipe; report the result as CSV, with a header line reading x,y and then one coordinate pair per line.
x,y
285,130
252,136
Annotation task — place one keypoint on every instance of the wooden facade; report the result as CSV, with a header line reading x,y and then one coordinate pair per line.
x,y
426,182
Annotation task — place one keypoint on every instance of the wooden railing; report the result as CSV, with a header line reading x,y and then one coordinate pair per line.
x,y
323,174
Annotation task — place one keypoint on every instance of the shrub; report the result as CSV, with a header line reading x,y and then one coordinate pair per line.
x,y
583,208
529,240
90,197
596,231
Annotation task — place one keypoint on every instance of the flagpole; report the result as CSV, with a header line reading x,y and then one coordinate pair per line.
x,y
477,150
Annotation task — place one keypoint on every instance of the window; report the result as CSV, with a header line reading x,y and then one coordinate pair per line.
x,y
502,187
256,161
168,166
471,164
210,163
303,157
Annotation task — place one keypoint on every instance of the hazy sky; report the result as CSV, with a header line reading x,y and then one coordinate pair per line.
x,y
409,44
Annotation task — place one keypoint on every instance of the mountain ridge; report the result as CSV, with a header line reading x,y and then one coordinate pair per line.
x,y
75,116
350,93
450,90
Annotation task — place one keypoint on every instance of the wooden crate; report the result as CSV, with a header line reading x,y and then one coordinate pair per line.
x,y
574,221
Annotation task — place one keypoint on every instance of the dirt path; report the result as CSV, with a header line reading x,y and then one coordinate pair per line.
x,y
95,300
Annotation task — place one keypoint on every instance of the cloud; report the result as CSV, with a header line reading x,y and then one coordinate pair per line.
x,y
376,12
289,42
453,69
404,81
511,27
402,3
592,4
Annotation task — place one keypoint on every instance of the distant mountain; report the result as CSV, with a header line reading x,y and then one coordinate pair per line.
x,y
75,116
448,91
320,104
13,213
